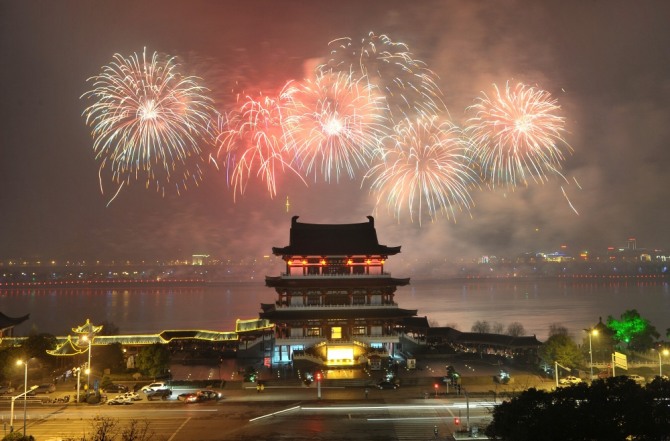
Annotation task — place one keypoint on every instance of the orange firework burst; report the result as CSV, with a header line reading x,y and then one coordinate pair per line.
x,y
517,135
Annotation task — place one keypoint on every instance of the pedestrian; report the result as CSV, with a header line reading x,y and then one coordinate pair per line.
x,y
367,391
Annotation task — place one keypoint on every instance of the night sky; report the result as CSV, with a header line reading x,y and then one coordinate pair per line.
x,y
606,62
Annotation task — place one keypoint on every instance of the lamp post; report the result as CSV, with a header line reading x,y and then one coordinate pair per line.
x,y
591,332
78,369
660,362
25,395
88,366
11,412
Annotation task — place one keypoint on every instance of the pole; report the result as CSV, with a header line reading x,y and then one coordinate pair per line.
x,y
88,377
11,412
318,387
591,354
25,397
556,372
11,417
78,371
660,364
467,410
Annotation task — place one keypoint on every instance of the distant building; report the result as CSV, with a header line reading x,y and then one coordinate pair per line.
x,y
200,259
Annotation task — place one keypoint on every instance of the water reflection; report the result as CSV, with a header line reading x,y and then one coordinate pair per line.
x,y
534,304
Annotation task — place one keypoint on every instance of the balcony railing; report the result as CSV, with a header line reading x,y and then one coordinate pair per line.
x,y
389,305
321,276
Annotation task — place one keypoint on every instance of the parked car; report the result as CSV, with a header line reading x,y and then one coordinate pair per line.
x,y
503,377
207,394
44,389
115,388
154,386
637,378
570,379
190,397
119,401
6,390
158,394
132,396
386,385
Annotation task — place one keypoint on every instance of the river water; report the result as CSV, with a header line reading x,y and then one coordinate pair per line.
x,y
536,304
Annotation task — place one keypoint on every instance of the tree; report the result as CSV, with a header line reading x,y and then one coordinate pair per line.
x,y
515,329
556,329
633,330
497,328
18,436
562,349
153,360
37,345
601,411
110,356
481,326
109,429
8,368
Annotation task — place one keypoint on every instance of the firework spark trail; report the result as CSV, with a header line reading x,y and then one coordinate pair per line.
x,y
517,135
409,86
252,142
148,121
334,124
425,170
569,202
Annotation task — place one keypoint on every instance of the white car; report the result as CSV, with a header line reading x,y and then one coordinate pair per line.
x,y
154,386
570,379
132,396
637,378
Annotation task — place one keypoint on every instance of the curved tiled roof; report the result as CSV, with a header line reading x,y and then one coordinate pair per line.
x,y
8,322
334,240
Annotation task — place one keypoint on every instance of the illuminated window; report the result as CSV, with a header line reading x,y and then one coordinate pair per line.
x,y
314,332
359,330
336,332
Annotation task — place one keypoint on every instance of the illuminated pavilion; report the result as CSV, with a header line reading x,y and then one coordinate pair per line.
x,y
335,304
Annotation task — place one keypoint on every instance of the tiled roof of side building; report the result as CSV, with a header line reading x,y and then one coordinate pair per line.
x,y
334,240
8,322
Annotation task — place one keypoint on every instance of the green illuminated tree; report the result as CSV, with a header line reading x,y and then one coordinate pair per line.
x,y
633,330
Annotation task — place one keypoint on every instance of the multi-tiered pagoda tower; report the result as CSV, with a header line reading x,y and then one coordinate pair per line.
x,y
335,303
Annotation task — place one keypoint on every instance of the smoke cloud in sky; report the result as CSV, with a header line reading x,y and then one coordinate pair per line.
x,y
605,63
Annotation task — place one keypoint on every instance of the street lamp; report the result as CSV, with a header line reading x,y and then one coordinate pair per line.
x,y
660,362
591,332
88,366
25,395
11,413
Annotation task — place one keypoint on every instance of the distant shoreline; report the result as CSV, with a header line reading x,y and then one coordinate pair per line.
x,y
126,283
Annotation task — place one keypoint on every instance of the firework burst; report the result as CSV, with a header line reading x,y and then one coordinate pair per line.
x,y
252,143
517,135
333,124
409,87
425,171
148,122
